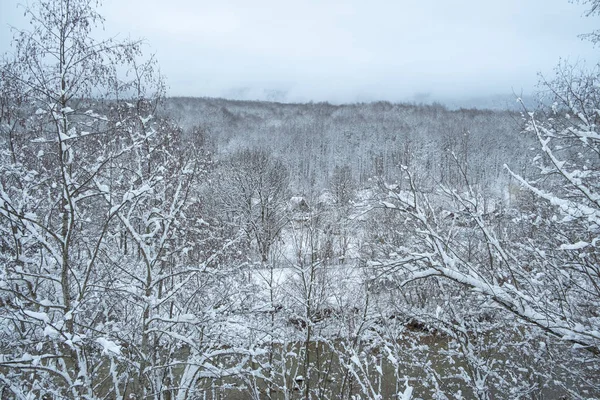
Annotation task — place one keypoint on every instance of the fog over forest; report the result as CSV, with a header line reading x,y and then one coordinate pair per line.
x,y
158,244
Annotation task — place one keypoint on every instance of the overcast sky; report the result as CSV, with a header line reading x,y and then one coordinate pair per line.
x,y
345,51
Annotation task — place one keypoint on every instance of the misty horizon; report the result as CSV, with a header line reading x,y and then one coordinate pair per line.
x,y
464,53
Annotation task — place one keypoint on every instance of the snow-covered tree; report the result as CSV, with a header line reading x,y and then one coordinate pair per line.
x,y
54,224
104,254
253,190
547,282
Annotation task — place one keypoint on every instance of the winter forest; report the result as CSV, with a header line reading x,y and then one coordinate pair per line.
x,y
156,247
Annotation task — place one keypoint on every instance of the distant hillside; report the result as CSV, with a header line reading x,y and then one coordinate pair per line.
x,y
498,102
372,139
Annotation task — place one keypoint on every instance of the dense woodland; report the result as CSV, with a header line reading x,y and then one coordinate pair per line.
x,y
372,140
197,248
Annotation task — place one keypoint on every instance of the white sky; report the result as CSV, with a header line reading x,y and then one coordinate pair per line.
x,y
344,51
